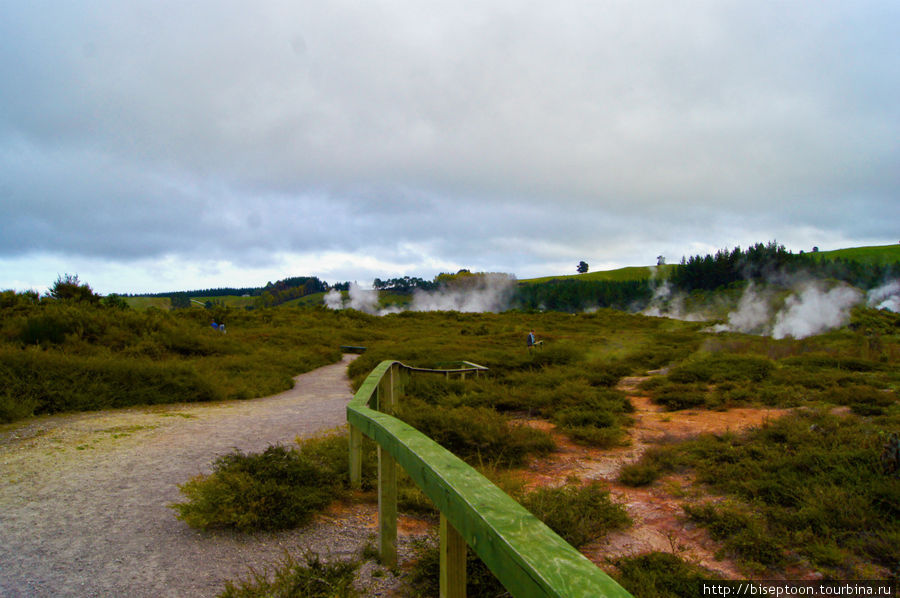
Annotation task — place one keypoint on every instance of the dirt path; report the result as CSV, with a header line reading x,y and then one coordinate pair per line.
x,y
655,510
83,498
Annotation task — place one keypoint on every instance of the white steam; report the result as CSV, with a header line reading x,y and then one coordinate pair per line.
x,y
810,308
753,314
359,299
665,304
815,310
334,300
489,293
886,297
483,293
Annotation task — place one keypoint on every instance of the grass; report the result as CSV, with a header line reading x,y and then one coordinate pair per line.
x,y
617,275
876,255
311,578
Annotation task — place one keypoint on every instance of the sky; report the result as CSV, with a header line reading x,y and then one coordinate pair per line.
x,y
170,145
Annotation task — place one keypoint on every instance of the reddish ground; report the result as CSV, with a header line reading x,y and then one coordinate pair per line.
x,y
655,510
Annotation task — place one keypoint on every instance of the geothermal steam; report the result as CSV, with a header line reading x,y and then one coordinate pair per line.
x,y
486,293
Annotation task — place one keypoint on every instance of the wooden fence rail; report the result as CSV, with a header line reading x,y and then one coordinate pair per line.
x,y
528,558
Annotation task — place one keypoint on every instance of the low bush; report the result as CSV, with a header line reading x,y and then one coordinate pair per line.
x,y
744,535
476,434
290,579
660,575
677,396
721,367
279,488
578,513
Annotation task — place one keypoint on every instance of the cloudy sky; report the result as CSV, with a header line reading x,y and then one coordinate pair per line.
x,y
167,145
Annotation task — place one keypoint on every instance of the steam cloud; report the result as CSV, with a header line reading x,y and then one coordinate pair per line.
x,y
486,293
815,310
812,307
886,297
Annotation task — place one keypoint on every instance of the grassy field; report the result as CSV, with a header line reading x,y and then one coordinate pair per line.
x,y
876,255
618,275
163,303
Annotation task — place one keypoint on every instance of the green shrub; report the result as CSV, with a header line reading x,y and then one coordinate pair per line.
x,y
579,514
598,437
279,488
290,579
639,474
660,575
276,489
744,535
809,481
677,396
721,367
477,435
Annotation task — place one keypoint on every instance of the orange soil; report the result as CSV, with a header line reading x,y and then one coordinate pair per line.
x,y
655,510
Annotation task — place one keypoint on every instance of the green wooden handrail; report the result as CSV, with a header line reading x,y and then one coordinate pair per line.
x,y
528,558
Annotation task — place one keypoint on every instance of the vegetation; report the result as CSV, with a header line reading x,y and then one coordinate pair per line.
x,y
660,575
290,579
763,260
280,488
810,483
75,354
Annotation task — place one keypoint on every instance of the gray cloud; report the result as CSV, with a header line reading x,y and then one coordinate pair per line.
x,y
518,137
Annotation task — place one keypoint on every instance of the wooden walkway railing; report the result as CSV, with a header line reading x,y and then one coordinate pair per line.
x,y
528,558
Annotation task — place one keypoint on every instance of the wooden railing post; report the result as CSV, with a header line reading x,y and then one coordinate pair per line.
x,y
388,395
356,440
453,562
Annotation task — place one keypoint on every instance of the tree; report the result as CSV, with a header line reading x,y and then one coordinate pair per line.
x,y
582,267
68,287
114,300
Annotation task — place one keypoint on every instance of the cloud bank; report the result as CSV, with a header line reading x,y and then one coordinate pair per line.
x,y
175,145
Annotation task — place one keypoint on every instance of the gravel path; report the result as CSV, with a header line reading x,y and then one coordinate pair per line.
x,y
83,497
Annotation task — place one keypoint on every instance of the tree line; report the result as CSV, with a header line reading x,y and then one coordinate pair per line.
x,y
771,260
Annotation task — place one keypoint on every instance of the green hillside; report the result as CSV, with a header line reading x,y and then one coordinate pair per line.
x,y
145,302
877,255
628,273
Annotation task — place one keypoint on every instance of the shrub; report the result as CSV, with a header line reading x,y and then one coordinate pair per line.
x,y
277,489
579,514
311,579
723,367
660,575
675,396
743,534
476,434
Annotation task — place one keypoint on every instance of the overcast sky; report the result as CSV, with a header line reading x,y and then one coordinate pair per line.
x,y
170,145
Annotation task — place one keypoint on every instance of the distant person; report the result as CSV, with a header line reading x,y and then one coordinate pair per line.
x,y
213,324
222,328
531,342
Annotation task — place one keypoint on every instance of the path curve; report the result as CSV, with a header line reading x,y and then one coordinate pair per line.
x,y
83,497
